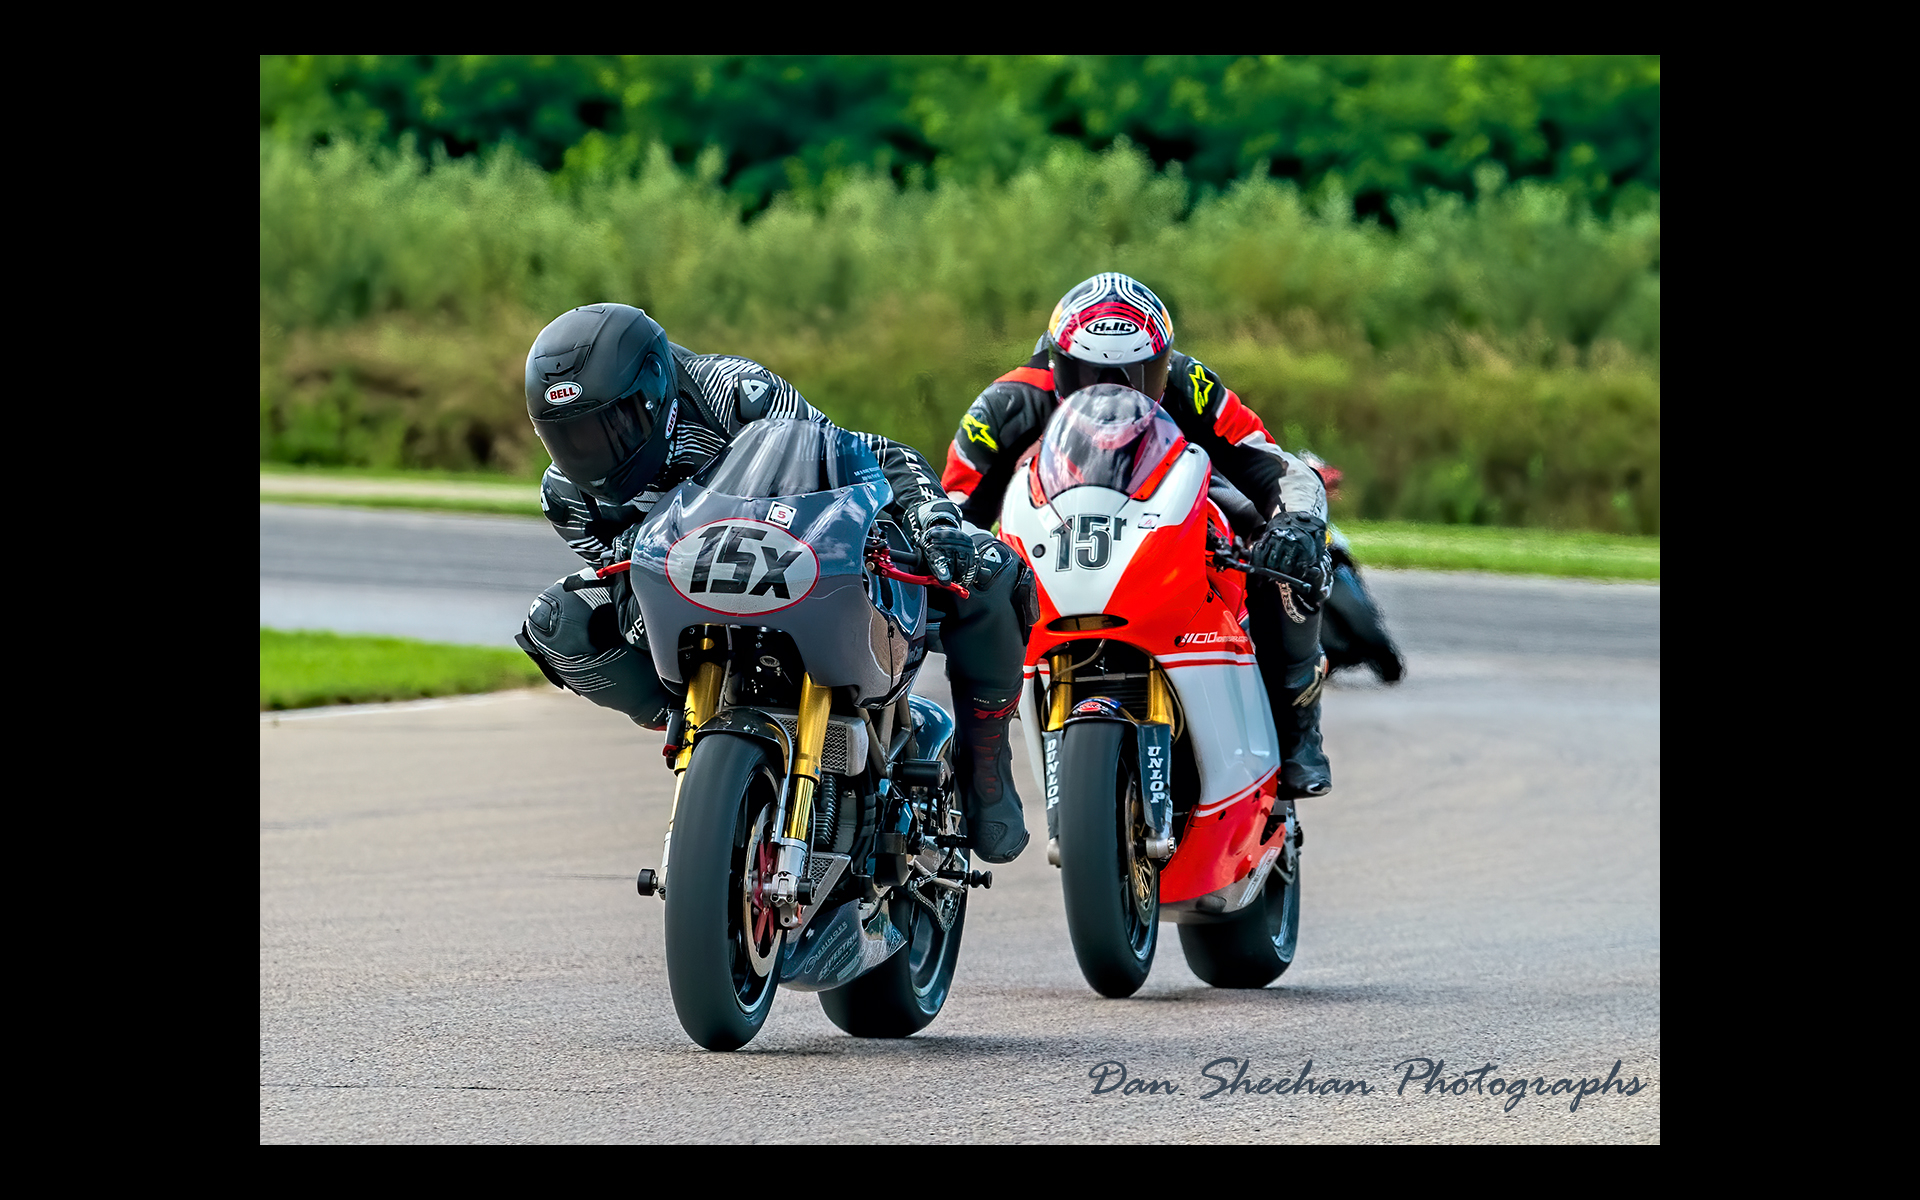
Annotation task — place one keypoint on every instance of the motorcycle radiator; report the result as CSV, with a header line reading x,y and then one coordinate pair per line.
x,y
845,752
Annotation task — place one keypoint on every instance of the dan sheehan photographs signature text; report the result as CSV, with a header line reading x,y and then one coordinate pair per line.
x,y
1233,1078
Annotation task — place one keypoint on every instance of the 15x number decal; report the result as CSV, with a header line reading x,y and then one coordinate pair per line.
x,y
1093,548
742,566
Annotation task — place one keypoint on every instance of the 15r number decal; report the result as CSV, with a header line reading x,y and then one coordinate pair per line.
x,y
1093,548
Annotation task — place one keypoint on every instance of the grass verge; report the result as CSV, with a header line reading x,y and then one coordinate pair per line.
x,y
302,669
1510,551
510,508
297,471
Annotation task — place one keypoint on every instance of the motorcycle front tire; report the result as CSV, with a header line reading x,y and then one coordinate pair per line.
x,y
1114,934
721,999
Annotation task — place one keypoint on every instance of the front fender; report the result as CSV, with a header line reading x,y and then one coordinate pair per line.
x,y
750,722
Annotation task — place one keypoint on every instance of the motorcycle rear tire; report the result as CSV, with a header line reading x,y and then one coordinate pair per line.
x,y
720,999
1113,940
1254,948
902,995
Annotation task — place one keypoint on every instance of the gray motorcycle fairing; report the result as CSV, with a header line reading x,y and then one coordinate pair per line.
x,y
852,629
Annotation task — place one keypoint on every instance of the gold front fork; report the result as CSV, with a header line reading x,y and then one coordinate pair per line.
x,y
703,696
1060,699
1159,699
815,703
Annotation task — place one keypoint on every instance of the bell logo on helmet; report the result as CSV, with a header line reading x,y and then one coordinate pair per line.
x,y
563,393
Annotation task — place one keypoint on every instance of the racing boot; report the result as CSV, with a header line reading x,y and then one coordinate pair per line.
x,y
1303,768
983,764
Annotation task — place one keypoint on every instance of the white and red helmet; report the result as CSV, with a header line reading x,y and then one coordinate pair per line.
x,y
1110,329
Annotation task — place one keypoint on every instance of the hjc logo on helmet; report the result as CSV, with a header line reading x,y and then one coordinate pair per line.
x,y
563,393
1112,325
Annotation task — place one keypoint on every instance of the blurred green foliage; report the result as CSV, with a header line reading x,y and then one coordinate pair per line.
x,y
1378,127
1493,361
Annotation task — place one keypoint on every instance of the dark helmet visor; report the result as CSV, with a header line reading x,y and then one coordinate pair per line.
x,y
590,447
1149,377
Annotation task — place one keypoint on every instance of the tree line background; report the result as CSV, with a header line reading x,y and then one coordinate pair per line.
x,y
1441,273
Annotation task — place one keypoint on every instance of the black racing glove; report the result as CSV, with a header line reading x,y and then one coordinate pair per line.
x,y
947,548
1296,544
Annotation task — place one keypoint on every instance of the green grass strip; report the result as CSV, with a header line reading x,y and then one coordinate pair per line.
x,y
418,475
303,669
453,504
1494,548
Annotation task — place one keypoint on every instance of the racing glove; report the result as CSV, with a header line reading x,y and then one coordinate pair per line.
x,y
1296,544
946,547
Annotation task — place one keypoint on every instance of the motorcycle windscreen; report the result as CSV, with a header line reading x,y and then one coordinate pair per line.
x,y
1104,436
787,457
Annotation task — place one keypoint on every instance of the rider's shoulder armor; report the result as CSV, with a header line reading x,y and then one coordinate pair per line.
x,y
732,391
1209,413
1194,393
1008,415
1202,405
729,391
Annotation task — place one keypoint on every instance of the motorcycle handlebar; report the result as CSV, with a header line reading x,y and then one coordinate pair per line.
x,y
907,560
906,565
894,563
1302,590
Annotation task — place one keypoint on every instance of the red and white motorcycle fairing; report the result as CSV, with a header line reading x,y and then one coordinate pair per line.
x,y
1144,557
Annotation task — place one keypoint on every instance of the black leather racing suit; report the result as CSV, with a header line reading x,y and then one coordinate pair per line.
x,y
1010,415
593,640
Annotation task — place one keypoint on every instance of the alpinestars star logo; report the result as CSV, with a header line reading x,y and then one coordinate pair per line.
x,y
977,431
1202,388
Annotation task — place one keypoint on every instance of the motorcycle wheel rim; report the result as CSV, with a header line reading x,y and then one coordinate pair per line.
x,y
753,956
1140,879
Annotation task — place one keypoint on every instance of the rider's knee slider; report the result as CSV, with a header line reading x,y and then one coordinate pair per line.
x,y
575,639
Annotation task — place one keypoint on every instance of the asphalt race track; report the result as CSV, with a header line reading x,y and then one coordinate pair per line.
x,y
451,949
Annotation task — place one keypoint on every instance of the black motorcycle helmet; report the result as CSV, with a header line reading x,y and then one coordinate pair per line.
x,y
601,392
